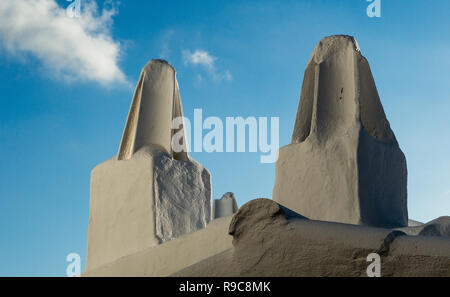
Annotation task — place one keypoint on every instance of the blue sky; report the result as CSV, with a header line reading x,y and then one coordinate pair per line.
x,y
66,88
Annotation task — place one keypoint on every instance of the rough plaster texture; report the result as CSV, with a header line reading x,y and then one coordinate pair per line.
x,y
173,255
147,194
344,163
271,240
225,206
182,193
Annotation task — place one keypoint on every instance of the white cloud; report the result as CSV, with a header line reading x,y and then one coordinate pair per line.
x,y
199,57
207,61
75,48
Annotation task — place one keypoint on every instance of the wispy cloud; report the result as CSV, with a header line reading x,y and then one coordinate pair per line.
x,y
165,51
207,62
75,48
